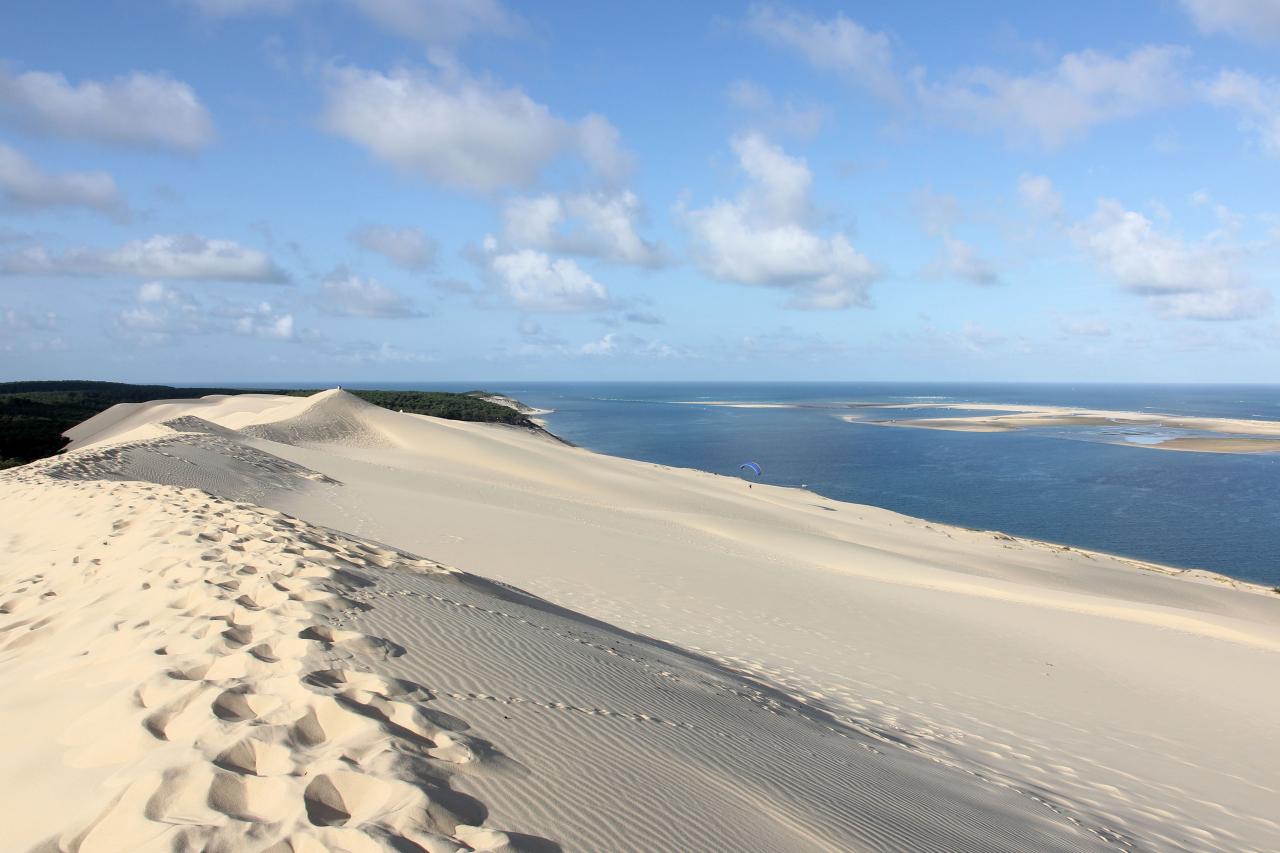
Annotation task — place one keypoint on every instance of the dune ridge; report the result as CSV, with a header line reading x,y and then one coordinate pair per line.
x,y
694,666
192,650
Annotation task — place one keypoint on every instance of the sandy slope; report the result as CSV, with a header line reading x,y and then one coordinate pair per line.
x,y
850,678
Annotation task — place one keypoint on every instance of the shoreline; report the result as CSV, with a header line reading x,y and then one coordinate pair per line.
x,y
616,631
1195,573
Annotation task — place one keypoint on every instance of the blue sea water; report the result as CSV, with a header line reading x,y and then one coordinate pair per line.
x,y
1077,486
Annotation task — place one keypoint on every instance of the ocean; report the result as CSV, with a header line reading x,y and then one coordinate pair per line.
x,y
1077,486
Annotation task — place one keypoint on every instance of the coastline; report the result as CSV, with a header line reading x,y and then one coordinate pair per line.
x,y
1244,434
969,661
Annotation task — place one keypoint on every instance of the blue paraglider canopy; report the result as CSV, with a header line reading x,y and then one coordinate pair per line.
x,y
751,466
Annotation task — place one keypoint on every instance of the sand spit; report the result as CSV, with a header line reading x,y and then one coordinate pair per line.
x,y
1220,445
1014,417
695,666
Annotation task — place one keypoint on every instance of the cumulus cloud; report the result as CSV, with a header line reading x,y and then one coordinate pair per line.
x,y
1244,303
160,314
409,248
1040,197
617,344
839,45
1052,107
137,109
764,238
1180,278
534,281
461,132
957,259
1255,101
600,225
24,184
1251,20
347,295
162,256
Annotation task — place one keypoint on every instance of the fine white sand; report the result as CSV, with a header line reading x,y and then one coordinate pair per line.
x,y
687,664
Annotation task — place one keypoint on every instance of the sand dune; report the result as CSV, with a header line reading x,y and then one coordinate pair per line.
x,y
695,665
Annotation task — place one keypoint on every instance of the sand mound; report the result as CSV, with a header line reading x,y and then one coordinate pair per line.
x,y
329,417
120,420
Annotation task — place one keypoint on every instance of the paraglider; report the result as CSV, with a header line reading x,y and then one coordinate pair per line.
x,y
750,466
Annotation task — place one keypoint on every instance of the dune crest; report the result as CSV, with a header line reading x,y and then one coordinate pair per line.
x,y
190,656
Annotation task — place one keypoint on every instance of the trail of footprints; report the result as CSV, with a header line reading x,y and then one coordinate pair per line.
x,y
268,736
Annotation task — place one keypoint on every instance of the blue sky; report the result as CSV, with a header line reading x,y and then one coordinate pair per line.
x,y
343,190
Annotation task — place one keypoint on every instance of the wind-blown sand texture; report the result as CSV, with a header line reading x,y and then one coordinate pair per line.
x,y
215,634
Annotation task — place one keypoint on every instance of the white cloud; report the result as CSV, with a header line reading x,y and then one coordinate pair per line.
x,y
1127,245
263,324
616,344
1083,90
600,225
161,315
1179,278
461,132
438,22
347,295
782,182
149,110
13,320
599,144
839,45
409,248
534,281
1256,101
24,184
1243,303
1040,197
763,237
607,345
957,259
1251,20
161,256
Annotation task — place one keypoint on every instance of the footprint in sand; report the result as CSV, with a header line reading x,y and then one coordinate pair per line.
x,y
352,641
